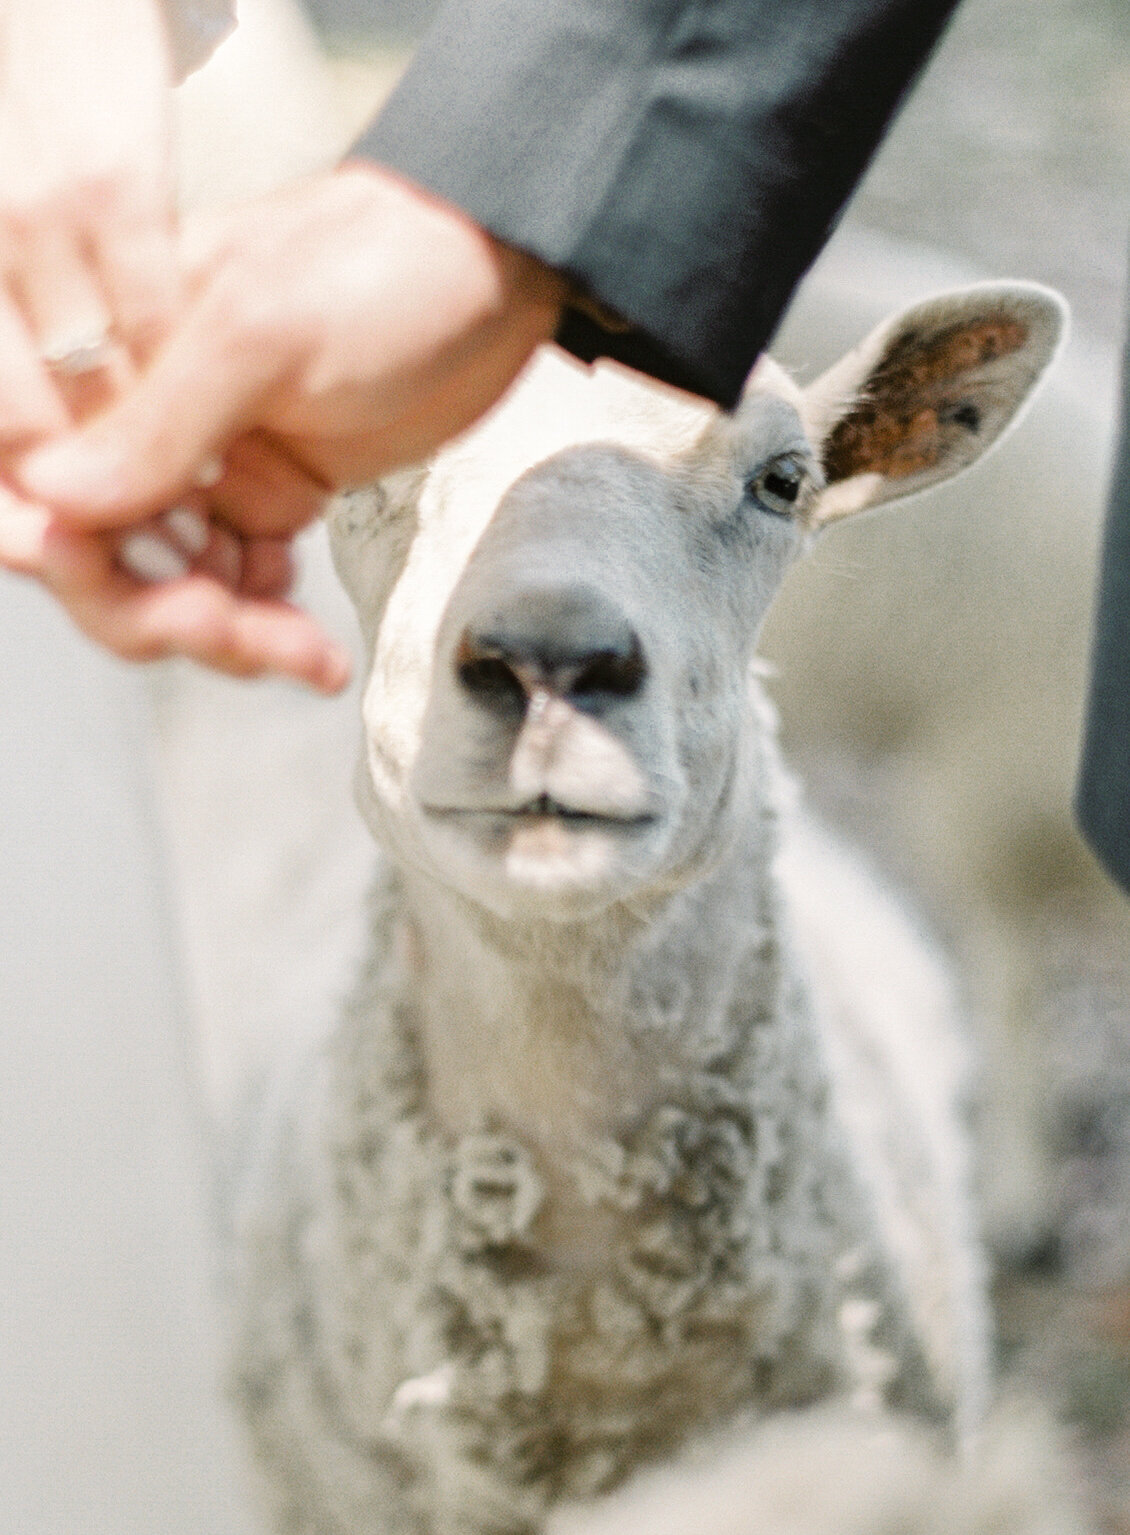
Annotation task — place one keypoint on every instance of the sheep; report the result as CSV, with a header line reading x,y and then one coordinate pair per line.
x,y
645,1115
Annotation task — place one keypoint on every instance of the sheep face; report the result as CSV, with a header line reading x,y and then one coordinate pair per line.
x,y
561,611
557,711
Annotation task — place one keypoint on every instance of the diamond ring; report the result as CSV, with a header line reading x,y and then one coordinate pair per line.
x,y
77,354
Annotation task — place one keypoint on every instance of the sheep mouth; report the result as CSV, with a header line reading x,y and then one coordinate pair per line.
x,y
543,808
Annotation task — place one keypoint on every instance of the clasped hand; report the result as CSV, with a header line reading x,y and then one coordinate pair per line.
x,y
175,407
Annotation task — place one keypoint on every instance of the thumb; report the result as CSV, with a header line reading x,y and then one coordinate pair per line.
x,y
143,452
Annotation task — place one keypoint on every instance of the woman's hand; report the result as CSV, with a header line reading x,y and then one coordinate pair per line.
x,y
90,284
332,331
88,271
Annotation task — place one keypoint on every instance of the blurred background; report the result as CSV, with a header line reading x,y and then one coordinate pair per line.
x,y
181,867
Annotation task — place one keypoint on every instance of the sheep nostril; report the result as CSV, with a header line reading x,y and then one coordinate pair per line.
x,y
610,672
573,642
490,681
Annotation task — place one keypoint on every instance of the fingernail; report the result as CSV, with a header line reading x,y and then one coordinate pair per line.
x,y
210,472
150,558
189,527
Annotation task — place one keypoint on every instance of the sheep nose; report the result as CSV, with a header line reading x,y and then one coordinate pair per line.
x,y
571,641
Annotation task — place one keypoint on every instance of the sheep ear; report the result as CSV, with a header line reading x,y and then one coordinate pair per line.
x,y
354,518
929,391
351,520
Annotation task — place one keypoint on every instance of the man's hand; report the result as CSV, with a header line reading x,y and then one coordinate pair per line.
x,y
350,323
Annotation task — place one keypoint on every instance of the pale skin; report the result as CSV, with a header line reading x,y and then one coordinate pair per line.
x,y
340,328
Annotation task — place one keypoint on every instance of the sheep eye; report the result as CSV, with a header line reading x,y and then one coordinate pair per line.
x,y
777,486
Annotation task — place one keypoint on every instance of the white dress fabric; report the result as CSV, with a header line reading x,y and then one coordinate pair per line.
x,y
196,29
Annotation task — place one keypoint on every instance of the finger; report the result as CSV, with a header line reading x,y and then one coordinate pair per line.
x,y
168,547
79,568
68,320
141,454
140,277
148,554
223,556
182,540
255,567
194,616
204,621
263,492
88,389
53,281
268,567
31,408
23,529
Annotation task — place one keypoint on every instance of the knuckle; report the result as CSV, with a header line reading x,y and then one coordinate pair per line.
x,y
114,196
25,212
72,201
243,311
105,192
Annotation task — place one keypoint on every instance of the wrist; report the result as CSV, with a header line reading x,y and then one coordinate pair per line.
x,y
497,280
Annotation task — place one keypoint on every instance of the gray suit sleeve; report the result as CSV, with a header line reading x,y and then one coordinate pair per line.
x,y
1103,795
681,161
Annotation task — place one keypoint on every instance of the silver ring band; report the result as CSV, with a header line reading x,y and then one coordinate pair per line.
x,y
79,354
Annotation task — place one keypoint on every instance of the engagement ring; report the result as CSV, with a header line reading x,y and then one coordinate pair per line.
x,y
79,354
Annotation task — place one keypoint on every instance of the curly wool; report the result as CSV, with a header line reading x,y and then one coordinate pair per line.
x,y
410,1360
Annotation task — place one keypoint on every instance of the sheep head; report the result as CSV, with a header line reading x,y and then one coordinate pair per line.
x,y
561,609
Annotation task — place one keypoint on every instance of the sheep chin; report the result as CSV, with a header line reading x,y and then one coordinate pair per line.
x,y
553,866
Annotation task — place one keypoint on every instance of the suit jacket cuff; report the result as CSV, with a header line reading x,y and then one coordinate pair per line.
x,y
681,162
